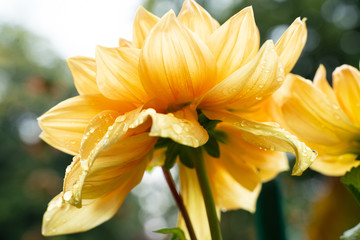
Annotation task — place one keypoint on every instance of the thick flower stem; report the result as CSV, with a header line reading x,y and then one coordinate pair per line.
x,y
179,203
200,168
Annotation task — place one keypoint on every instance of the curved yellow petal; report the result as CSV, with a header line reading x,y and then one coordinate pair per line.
x,y
291,44
321,83
235,43
175,65
197,19
269,136
335,165
108,128
249,85
194,204
63,125
64,218
227,191
125,43
143,23
117,74
265,164
312,116
346,81
83,70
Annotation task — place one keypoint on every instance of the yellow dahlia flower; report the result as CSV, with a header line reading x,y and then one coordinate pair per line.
x,y
327,119
155,87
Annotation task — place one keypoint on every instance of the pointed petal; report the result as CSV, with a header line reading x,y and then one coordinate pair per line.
x,y
250,84
269,136
235,43
291,44
175,65
194,203
83,70
197,19
143,23
335,165
63,218
125,43
227,191
346,81
321,83
63,125
117,74
260,161
323,123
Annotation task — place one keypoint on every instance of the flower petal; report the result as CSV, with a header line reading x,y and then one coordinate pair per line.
x,y
143,23
335,165
323,123
269,136
235,43
125,43
63,218
321,83
63,125
250,84
83,70
346,81
197,19
177,62
258,161
227,191
108,128
291,44
194,204
117,74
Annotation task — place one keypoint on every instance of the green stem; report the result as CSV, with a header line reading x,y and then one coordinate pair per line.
x,y
202,176
180,203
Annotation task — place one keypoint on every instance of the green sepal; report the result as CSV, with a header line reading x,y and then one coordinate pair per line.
x,y
186,155
211,124
177,233
352,234
212,147
352,182
171,153
162,142
219,136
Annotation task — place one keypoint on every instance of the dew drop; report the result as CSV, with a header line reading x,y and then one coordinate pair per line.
x,y
92,130
67,196
280,79
243,123
261,86
258,98
177,128
68,169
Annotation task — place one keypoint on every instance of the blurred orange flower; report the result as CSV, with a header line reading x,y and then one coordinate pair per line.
x,y
327,119
154,87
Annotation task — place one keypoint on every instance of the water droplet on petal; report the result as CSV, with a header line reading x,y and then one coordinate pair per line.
x,y
67,196
261,85
258,98
177,128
